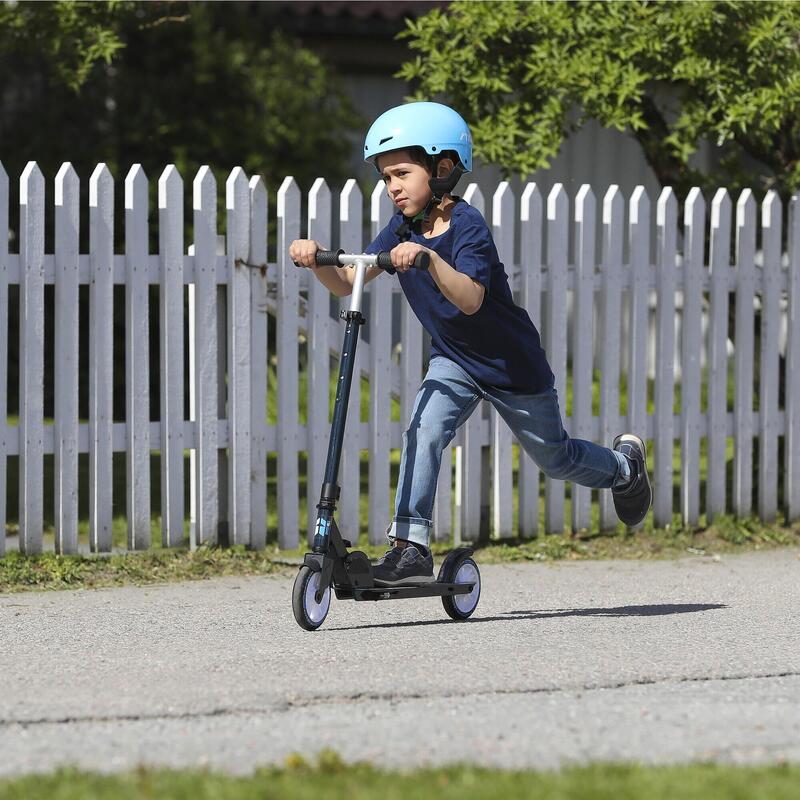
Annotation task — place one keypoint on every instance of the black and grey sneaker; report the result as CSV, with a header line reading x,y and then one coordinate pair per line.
x,y
633,501
403,565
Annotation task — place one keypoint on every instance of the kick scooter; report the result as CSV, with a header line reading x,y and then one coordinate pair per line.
x,y
330,565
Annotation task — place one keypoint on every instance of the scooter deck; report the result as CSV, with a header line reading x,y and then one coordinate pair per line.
x,y
430,589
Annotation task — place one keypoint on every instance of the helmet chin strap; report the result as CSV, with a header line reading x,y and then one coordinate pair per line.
x,y
442,186
439,188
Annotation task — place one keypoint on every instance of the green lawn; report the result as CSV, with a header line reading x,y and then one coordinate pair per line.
x,y
332,780
158,565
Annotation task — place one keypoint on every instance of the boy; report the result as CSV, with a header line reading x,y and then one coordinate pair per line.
x,y
484,346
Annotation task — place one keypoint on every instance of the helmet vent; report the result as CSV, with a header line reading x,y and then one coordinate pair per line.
x,y
385,140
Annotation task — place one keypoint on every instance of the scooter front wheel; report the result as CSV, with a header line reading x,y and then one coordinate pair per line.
x,y
309,613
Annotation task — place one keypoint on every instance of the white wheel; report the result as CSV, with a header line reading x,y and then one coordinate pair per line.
x,y
461,606
307,611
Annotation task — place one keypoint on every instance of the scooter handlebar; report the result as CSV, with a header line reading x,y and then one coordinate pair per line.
x,y
334,258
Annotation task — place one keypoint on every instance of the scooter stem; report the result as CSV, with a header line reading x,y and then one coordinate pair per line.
x,y
358,286
330,490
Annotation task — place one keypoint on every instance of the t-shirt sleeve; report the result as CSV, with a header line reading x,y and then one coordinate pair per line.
x,y
473,250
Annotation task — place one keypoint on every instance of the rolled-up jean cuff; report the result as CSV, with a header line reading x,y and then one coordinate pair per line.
x,y
411,529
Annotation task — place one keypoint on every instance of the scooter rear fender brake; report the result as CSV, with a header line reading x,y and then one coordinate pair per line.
x,y
459,552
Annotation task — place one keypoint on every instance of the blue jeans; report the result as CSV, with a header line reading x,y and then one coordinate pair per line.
x,y
444,402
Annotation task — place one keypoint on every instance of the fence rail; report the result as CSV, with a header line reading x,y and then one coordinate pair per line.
x,y
614,292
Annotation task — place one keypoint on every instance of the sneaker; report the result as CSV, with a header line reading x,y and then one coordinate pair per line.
x,y
633,501
403,565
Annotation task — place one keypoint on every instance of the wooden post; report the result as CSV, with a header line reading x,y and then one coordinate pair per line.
x,y
67,202
318,321
101,357
531,299
666,276
288,375
583,341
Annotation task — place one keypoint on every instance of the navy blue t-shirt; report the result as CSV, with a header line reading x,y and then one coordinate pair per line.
x,y
498,345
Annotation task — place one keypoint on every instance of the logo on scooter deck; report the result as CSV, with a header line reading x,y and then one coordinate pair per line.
x,y
322,526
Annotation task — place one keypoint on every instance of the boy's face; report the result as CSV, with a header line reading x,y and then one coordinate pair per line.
x,y
406,181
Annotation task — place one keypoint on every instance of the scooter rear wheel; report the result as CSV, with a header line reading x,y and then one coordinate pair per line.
x,y
307,611
460,606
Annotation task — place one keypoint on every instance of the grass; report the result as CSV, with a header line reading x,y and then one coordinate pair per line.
x,y
49,571
333,779
159,565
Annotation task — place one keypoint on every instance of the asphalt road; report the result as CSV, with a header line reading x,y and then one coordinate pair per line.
x,y
658,662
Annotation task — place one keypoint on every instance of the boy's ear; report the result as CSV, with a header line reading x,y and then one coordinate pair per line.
x,y
445,167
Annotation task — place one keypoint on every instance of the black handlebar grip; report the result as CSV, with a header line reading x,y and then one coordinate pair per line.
x,y
328,258
385,262
422,261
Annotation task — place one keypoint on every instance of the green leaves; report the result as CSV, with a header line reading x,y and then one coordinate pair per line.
x,y
671,74
154,83
66,38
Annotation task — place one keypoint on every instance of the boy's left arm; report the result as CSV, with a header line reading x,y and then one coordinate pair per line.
x,y
462,291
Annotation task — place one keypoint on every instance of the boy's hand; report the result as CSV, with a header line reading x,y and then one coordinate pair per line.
x,y
304,251
404,254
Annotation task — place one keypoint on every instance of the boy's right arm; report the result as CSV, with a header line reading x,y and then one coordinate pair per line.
x,y
338,280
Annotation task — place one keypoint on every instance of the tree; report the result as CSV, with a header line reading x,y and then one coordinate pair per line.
x,y
528,74
157,83
161,82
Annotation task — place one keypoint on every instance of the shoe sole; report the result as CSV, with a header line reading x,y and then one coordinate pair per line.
x,y
630,437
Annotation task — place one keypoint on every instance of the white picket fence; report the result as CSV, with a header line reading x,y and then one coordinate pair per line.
x,y
231,294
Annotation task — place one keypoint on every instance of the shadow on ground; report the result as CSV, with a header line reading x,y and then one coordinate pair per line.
x,y
509,616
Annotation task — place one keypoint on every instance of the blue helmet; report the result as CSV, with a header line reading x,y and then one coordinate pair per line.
x,y
431,126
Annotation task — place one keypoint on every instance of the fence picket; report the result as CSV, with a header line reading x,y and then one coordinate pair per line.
x,y
502,474
611,326
639,251
137,359
351,210
531,299
237,201
768,361
691,348
666,276
792,399
101,357
31,359
223,491
583,341
744,354
203,389
719,259
288,373
65,462
319,355
380,373
469,456
170,234
556,338
4,431
258,362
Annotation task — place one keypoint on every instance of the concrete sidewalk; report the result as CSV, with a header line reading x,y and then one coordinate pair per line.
x,y
562,663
